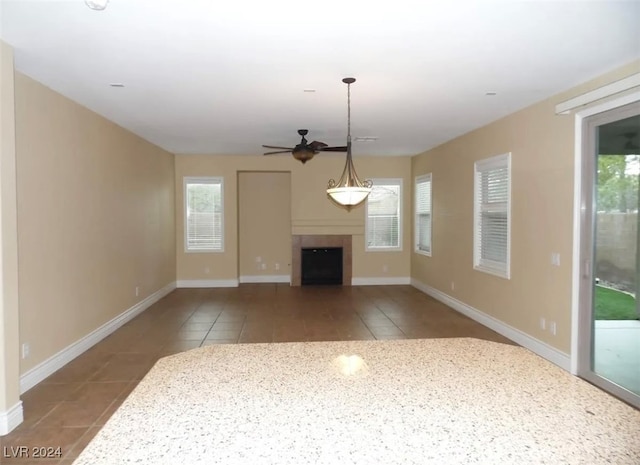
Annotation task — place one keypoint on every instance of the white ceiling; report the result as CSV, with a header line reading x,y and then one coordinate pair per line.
x,y
212,76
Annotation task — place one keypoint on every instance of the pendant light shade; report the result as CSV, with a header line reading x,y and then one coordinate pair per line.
x,y
349,196
349,191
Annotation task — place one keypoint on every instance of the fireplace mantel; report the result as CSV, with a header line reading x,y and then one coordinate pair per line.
x,y
299,242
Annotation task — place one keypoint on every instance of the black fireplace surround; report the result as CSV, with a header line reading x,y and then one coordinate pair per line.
x,y
322,265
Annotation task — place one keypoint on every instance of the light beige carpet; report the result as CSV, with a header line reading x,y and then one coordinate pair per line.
x,y
435,401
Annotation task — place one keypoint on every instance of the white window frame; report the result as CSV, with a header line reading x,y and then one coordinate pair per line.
x,y
418,180
385,182
203,180
485,265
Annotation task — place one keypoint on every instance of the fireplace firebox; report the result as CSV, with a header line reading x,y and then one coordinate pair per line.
x,y
320,241
321,265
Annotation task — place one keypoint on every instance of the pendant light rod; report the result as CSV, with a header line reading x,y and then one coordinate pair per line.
x,y
348,81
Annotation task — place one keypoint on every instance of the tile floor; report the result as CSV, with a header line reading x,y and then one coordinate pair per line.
x,y
67,409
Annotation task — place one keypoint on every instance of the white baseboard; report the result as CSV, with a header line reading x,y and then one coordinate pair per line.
x,y
11,418
383,281
57,361
193,283
271,278
543,349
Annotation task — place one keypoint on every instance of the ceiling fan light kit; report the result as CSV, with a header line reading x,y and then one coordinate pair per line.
x,y
349,191
303,155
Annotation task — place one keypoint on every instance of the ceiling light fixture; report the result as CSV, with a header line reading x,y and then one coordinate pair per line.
x,y
96,4
349,191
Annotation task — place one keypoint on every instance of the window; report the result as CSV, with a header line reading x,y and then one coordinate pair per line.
x,y
492,225
423,214
203,221
383,210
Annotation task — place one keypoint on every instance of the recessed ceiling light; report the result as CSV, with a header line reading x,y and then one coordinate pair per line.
x,y
491,92
116,84
366,139
310,91
96,4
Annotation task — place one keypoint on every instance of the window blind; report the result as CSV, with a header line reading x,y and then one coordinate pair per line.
x,y
423,214
383,222
492,200
203,215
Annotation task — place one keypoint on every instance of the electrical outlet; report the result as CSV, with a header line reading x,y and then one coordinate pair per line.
x,y
555,258
137,291
207,270
263,266
552,327
453,286
258,259
543,323
385,268
25,350
277,266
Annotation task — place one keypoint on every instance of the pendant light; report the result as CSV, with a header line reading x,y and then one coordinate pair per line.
x,y
349,190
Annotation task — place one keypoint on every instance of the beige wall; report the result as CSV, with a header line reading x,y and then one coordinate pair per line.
x,y
311,211
264,223
9,342
95,219
542,147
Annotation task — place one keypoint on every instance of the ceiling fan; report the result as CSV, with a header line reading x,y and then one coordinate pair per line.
x,y
305,151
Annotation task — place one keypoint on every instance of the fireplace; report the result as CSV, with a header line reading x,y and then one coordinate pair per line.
x,y
329,241
321,265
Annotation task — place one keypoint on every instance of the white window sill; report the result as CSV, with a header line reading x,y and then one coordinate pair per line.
x,y
423,252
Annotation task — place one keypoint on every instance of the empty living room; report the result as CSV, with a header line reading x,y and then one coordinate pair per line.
x,y
319,233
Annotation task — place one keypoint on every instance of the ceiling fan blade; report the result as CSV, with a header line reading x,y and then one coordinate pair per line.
x,y
316,145
280,151
333,149
277,147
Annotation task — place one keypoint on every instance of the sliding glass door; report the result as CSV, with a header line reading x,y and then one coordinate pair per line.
x,y
609,339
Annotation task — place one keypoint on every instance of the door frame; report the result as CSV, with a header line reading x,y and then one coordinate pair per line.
x,y
582,266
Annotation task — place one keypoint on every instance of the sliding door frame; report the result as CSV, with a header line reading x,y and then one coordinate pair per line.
x,y
586,122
